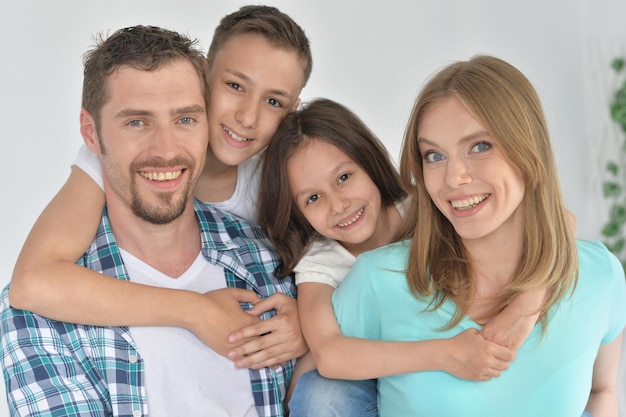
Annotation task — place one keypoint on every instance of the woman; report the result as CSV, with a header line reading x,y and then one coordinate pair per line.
x,y
492,223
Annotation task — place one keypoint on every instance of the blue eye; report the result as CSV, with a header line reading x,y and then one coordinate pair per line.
x,y
432,156
186,120
481,147
135,123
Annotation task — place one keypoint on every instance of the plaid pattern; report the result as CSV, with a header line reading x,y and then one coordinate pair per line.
x,y
53,368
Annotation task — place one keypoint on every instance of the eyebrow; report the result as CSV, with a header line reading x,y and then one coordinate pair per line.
x,y
468,138
339,168
182,110
244,77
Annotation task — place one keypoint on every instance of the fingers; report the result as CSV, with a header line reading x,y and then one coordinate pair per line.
x,y
244,296
276,301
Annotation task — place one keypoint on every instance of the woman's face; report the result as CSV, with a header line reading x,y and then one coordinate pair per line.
x,y
467,176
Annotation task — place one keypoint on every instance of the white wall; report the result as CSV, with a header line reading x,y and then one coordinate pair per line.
x,y
371,56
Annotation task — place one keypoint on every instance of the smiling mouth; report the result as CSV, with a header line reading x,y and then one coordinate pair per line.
x,y
161,176
352,220
469,203
234,136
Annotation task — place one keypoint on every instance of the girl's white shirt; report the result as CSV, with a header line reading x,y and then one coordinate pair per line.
x,y
327,262
242,203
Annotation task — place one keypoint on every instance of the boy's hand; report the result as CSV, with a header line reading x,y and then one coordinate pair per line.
x,y
218,313
269,342
472,357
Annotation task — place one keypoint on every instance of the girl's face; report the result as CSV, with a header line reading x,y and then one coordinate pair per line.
x,y
467,176
336,196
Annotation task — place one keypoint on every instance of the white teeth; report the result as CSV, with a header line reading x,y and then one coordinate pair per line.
x,y
235,137
352,220
161,176
469,202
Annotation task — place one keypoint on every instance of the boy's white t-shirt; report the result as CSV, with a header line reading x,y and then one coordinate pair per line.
x,y
243,202
327,262
184,377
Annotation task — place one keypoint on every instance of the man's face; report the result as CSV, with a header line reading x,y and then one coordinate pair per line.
x,y
153,136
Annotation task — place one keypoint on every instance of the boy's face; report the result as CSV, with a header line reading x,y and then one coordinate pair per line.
x,y
252,85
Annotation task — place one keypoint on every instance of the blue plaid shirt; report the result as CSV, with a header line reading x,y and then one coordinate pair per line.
x,y
53,368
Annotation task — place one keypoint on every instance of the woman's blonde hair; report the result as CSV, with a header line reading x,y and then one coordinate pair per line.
x,y
505,103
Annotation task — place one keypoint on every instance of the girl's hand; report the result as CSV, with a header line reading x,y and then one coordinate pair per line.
x,y
509,329
513,325
269,342
472,357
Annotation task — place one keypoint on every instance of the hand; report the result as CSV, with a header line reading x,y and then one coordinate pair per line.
x,y
509,331
269,342
512,326
219,314
474,358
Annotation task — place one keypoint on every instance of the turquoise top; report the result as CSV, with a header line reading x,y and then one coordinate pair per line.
x,y
551,375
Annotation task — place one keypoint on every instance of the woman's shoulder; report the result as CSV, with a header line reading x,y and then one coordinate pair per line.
x,y
598,264
387,255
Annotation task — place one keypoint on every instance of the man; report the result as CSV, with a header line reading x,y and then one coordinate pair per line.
x,y
144,114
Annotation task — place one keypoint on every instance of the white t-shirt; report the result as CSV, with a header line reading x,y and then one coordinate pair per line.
x,y
242,203
327,262
184,377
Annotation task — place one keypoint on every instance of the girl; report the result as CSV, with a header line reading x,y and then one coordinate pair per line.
x,y
259,60
492,223
329,192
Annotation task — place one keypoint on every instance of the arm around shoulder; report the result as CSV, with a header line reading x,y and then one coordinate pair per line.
x,y
61,234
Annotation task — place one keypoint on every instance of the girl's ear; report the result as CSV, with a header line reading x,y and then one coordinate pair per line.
x,y
89,132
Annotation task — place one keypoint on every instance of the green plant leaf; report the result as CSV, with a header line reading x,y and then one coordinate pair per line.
x,y
618,214
612,167
618,64
610,229
612,189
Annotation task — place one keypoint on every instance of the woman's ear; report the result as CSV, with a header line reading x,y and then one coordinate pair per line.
x,y
89,132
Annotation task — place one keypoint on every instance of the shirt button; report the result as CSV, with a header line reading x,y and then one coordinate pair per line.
x,y
133,359
137,413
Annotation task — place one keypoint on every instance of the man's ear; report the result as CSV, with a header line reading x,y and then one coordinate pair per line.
x,y
89,132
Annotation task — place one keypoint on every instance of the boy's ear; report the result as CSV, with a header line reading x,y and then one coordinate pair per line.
x,y
296,104
89,132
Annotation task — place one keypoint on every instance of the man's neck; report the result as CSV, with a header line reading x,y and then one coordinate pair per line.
x,y
170,248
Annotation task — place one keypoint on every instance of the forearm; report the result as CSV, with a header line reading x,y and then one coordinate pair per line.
x,y
353,358
76,294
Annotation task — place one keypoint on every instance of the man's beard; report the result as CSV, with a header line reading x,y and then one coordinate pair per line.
x,y
169,206
165,211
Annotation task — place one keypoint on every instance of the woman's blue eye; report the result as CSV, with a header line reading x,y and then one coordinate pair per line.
x,y
433,157
481,147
